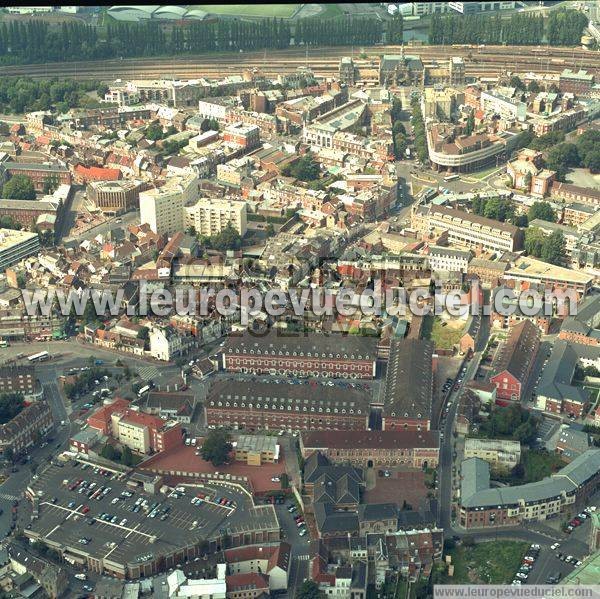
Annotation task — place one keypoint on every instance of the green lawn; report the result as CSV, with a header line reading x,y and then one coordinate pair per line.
x,y
483,174
486,563
329,11
250,10
444,337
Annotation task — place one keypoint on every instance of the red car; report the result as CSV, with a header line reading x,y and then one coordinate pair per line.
x,y
85,509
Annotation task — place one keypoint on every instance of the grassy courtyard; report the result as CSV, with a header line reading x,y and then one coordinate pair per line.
x,y
282,11
444,334
486,563
539,465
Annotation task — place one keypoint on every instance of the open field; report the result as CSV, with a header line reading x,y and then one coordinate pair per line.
x,y
284,11
486,563
444,336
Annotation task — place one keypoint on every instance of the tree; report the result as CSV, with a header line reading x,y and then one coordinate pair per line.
x,y
127,456
154,132
515,81
554,248
19,187
10,405
470,126
562,156
543,211
592,161
216,447
209,125
305,169
108,452
534,241
309,589
533,86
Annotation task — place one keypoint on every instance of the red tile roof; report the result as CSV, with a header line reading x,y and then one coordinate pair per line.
x,y
248,580
96,173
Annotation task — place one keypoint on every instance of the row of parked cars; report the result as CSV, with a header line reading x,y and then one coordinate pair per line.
x,y
579,519
298,518
527,565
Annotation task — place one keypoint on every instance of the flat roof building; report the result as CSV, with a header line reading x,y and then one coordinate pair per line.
x,y
16,246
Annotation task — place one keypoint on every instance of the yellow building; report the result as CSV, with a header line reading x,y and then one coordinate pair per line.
x,y
256,449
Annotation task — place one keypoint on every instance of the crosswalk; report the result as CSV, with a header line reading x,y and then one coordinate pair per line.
x,y
303,558
148,373
8,497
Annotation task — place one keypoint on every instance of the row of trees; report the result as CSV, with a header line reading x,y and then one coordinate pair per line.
x,y
38,41
520,29
23,94
419,131
339,32
399,136
565,27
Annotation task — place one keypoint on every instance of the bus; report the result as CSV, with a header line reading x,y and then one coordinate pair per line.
x,y
43,355
428,194
450,178
143,390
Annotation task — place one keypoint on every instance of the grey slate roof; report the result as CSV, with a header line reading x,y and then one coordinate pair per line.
x,y
564,482
329,520
555,382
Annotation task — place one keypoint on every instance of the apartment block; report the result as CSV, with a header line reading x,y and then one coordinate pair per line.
x,y
162,207
210,217
15,246
466,229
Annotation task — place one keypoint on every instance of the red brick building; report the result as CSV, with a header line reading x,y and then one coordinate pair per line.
x,y
515,361
31,423
101,418
245,136
39,174
272,406
287,354
416,449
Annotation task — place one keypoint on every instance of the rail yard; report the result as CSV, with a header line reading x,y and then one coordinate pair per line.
x,y
480,61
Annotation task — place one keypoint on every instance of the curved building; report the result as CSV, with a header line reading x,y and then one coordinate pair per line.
x,y
133,12
483,506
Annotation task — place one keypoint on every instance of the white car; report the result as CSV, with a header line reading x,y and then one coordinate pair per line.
x,y
275,479
555,546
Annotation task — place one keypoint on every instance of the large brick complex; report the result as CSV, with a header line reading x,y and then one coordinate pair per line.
x,y
296,355
416,449
276,406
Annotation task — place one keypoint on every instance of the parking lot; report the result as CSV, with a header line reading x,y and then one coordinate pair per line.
x,y
91,514
552,563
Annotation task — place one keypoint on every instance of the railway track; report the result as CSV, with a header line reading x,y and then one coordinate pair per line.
x,y
489,60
